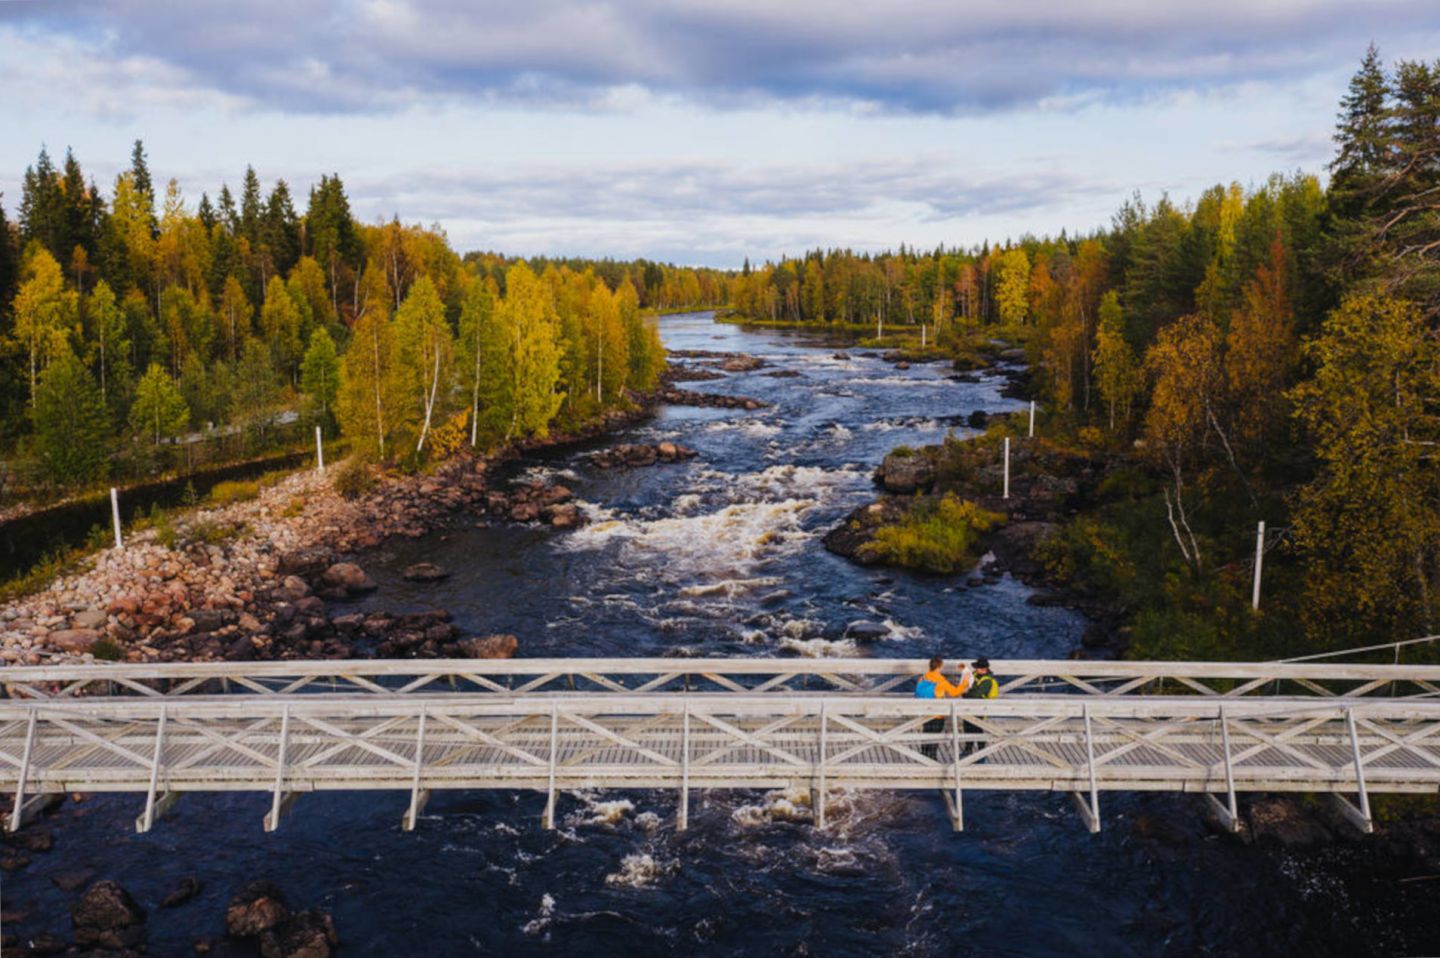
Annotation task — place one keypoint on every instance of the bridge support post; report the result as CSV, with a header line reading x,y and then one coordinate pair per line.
x,y
1229,813
956,806
682,814
281,801
1089,812
147,818
819,799
418,796
17,816
1359,817
547,818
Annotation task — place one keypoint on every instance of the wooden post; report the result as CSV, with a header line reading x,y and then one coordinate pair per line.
x,y
319,453
1259,559
115,516
1032,419
1007,468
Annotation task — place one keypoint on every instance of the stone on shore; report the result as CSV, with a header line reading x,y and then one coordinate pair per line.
x,y
187,889
906,472
74,641
350,577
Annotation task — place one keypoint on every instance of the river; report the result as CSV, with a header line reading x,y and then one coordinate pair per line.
x,y
722,556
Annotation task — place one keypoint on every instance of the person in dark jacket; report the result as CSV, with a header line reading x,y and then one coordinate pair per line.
x,y
985,686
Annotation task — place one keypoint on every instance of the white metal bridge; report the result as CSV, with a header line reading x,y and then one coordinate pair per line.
x,y
413,726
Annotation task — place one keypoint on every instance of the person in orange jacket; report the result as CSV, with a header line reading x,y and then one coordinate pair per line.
x,y
934,685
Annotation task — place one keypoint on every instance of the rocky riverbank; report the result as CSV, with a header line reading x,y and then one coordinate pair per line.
x,y
255,579
1048,485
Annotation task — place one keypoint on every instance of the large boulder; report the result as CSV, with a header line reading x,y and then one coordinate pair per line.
x,y
74,641
348,576
255,909
307,563
489,646
906,472
107,917
307,934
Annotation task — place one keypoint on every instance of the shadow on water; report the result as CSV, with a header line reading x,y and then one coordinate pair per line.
x,y
721,556
28,539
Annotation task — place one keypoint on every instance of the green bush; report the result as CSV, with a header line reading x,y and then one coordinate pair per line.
x,y
902,452
353,478
934,536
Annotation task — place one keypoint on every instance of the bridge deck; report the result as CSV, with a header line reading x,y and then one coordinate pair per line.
x,y
167,734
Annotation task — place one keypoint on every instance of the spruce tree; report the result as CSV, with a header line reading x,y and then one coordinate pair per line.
x,y
70,421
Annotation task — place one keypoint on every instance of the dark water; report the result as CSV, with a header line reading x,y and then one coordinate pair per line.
x,y
721,556
28,539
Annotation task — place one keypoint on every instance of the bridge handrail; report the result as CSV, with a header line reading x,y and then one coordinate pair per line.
x,y
393,677
139,708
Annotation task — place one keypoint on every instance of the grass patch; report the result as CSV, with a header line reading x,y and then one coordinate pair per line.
x,y
227,493
934,536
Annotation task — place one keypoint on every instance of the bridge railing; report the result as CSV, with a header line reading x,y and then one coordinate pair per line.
x,y
516,677
287,745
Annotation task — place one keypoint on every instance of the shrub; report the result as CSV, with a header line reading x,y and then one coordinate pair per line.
x,y
902,452
933,537
226,493
450,436
107,650
353,478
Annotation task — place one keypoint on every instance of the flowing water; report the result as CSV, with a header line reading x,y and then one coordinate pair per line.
x,y
722,556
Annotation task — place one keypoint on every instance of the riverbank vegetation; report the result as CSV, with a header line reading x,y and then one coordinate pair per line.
x,y
937,535
143,332
1263,354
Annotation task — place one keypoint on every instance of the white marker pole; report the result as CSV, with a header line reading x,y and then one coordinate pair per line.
x,y
1032,419
319,453
1259,559
115,516
1007,468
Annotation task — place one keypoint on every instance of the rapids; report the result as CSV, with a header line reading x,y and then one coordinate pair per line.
x,y
721,556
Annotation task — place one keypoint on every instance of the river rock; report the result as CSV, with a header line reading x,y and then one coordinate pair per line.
x,y
566,516
741,363
1014,546
188,888
906,473
902,364
35,838
424,572
45,943
294,588
306,934
350,577
489,646
89,619
865,631
307,563
254,909
74,641
106,916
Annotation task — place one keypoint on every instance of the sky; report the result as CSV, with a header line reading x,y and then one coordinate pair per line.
x,y
697,131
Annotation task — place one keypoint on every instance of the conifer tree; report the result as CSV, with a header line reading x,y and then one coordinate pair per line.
x,y
70,421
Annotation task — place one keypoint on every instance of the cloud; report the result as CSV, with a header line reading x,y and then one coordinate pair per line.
x,y
906,56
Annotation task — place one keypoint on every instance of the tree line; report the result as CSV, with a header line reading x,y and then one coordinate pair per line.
x,y
130,319
1271,352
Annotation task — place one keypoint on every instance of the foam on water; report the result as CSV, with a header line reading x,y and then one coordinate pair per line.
x,y
640,870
